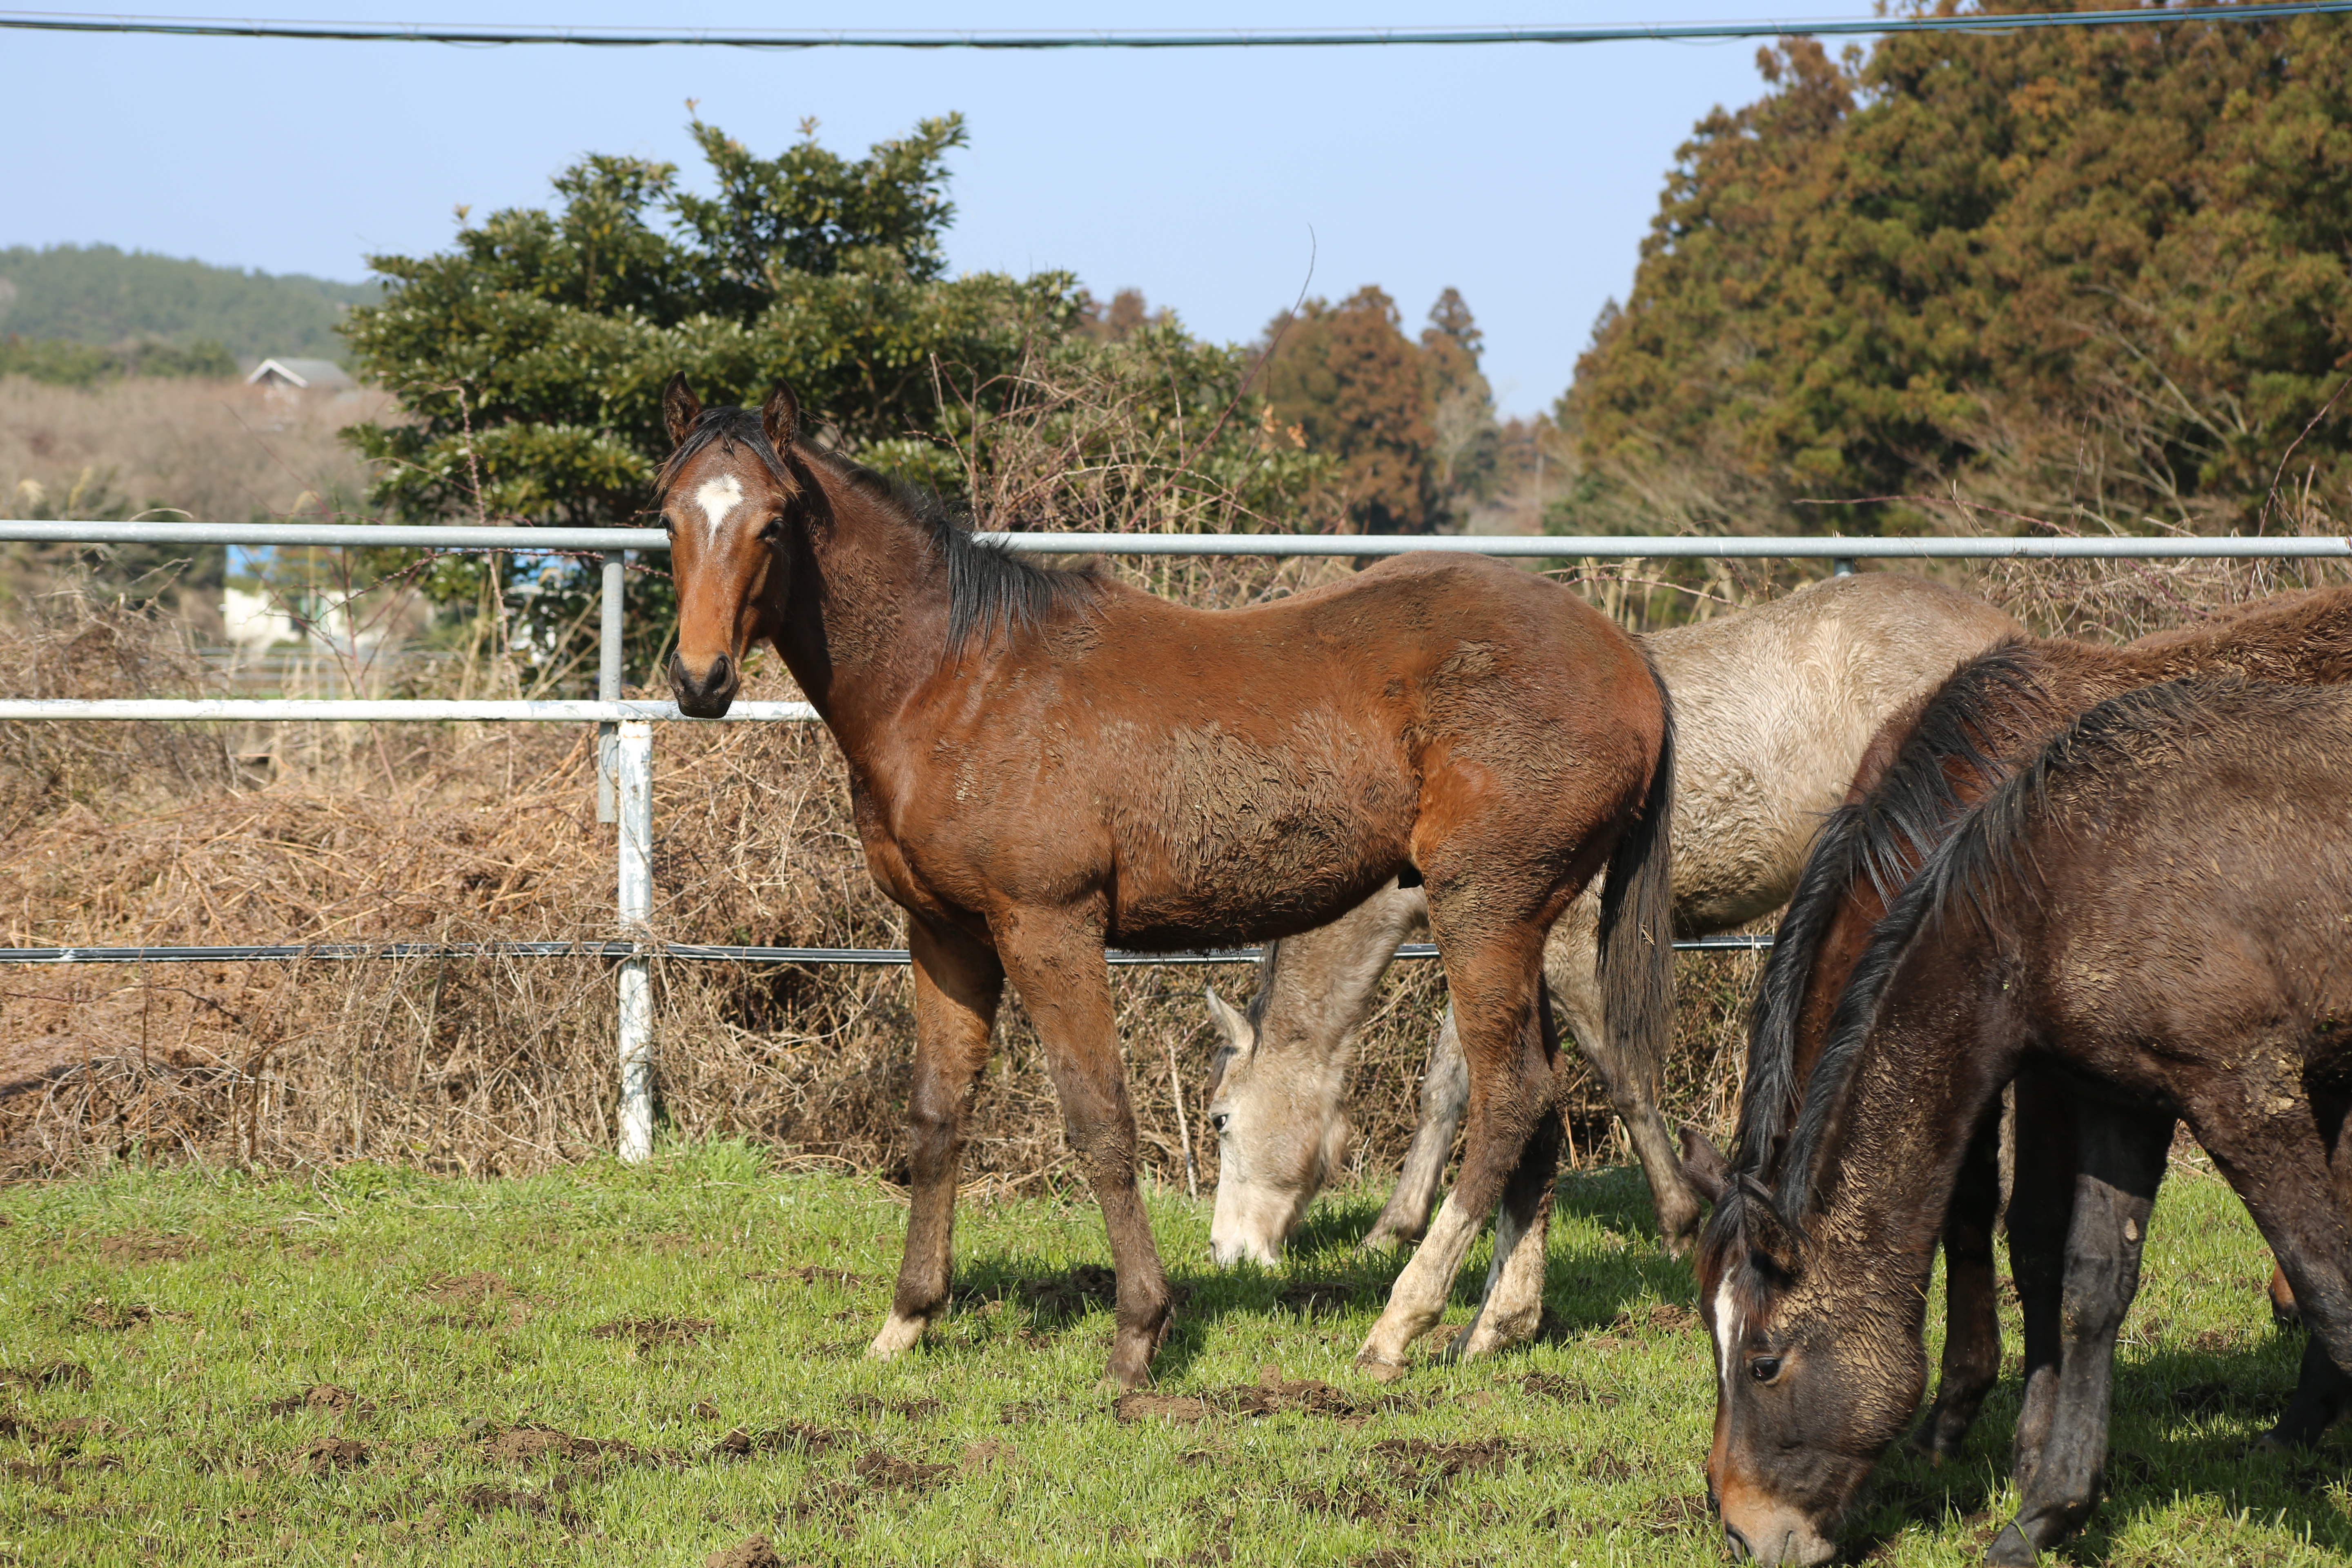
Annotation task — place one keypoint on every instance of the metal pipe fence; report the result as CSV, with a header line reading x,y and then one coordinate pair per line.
x,y
624,727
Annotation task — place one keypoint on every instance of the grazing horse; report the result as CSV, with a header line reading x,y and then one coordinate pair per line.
x,y
1773,707
1925,768
2156,906
1043,763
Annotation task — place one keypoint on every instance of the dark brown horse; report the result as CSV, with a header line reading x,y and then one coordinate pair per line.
x,y
1926,766
1043,763
2158,907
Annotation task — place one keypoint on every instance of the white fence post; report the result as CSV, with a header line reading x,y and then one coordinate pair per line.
x,y
608,681
634,758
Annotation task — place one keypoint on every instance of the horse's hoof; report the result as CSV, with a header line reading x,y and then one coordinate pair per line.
x,y
1378,1370
898,1333
2010,1549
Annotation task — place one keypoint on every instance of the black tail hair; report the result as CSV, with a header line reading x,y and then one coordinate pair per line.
x,y
1637,917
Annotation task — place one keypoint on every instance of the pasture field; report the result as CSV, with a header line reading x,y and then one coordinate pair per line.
x,y
649,1365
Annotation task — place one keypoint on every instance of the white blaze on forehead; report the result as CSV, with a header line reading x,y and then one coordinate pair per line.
x,y
718,498
1726,1330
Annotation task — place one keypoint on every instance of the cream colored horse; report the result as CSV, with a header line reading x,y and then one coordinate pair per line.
x,y
1773,707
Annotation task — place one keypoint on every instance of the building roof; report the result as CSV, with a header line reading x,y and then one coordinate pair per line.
x,y
308,374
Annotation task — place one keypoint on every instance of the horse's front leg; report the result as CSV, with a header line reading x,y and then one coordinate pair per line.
x,y
1057,964
1445,1096
2122,1156
1971,1309
958,982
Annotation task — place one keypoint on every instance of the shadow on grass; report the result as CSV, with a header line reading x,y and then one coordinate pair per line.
x,y
2186,1422
1326,1274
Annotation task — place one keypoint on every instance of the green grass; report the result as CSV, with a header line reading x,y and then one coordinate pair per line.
x,y
201,1309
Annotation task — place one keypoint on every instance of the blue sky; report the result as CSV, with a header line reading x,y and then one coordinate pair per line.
x,y
1524,175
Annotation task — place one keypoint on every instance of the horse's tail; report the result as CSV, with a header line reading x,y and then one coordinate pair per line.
x,y
1637,922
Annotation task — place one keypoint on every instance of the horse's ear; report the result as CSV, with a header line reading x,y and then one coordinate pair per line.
x,y
1240,1038
680,408
1704,1166
779,416
1768,1231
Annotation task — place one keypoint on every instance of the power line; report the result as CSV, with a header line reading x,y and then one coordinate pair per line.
x,y
1113,38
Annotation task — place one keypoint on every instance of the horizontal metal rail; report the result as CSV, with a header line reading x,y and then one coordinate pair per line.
x,y
391,709
480,33
344,952
1611,546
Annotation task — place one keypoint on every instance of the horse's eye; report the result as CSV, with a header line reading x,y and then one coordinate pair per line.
x,y
1764,1368
1217,1119
774,533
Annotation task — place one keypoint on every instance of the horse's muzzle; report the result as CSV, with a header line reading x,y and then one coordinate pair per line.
x,y
710,694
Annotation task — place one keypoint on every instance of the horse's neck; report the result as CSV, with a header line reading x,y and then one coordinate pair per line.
x,y
1925,1076
868,616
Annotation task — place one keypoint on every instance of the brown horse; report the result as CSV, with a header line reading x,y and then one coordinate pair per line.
x,y
1043,763
1773,707
1925,768
2155,906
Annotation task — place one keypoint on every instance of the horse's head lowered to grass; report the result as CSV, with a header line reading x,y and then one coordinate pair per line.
x,y
728,497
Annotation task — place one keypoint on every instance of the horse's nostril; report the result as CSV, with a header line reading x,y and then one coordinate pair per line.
x,y
1740,1551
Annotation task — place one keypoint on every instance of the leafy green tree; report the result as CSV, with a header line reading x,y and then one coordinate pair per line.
x,y
528,358
1349,378
2100,272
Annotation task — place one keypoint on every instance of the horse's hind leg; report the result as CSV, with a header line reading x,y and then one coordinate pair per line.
x,y
958,984
1494,989
1572,970
1058,967
1510,1309
2323,1393
1445,1096
1971,1317
2122,1158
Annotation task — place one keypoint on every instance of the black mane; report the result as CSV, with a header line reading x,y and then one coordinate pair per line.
x,y
1979,866
1909,808
990,589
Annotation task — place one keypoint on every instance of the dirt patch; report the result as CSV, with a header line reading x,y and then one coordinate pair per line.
x,y
650,1333
1022,1411
1344,1502
97,1313
1272,1395
524,1445
1386,1557
876,1468
326,1397
328,1454
743,1442
2217,1341
989,1454
1670,1515
757,1552
137,1248
72,1432
1658,1317
1417,1460
1564,1390
1607,1468
482,1300
47,1375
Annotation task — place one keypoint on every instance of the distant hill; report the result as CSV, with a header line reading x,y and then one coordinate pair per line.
x,y
97,294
